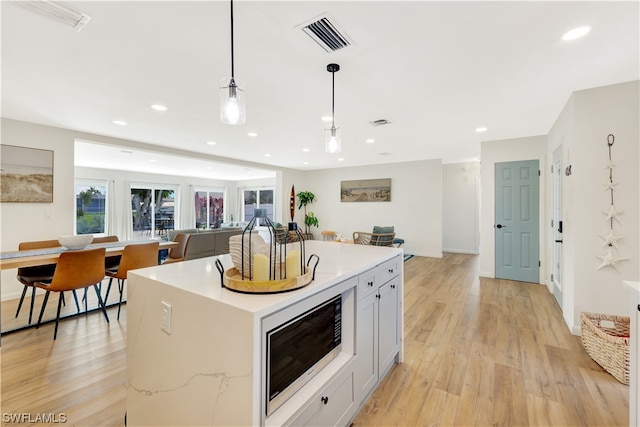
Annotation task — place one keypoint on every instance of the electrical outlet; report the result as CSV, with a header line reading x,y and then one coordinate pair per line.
x,y
165,324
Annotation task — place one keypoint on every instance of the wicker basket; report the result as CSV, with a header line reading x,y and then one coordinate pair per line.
x,y
607,345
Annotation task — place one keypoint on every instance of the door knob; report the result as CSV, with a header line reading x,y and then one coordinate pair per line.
x,y
500,226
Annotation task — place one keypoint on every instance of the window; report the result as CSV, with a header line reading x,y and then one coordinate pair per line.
x,y
209,208
91,206
257,199
153,210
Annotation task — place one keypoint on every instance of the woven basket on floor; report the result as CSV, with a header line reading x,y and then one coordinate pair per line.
x,y
607,344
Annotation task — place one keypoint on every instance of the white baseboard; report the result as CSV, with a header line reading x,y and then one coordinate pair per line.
x,y
428,255
460,251
486,274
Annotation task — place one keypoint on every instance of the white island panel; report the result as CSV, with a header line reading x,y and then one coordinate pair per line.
x,y
207,371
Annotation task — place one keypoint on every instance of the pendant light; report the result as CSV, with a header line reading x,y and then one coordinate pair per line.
x,y
232,101
332,143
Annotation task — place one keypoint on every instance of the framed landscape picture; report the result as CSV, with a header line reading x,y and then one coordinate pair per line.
x,y
27,174
366,190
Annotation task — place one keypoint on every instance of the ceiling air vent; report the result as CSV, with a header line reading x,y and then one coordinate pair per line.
x,y
324,31
380,122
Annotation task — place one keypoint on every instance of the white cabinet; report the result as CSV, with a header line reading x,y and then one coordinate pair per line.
x,y
333,406
634,354
377,325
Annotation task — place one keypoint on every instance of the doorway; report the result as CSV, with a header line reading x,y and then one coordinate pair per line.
x,y
556,223
516,228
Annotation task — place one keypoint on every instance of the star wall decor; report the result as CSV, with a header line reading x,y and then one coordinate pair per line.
x,y
610,259
611,240
612,214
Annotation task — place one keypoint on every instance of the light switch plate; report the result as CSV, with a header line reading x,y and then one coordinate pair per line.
x,y
165,324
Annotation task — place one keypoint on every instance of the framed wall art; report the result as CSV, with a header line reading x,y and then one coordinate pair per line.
x,y
27,174
366,190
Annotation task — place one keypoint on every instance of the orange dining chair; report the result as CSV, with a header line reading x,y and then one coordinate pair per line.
x,y
40,273
329,235
134,256
110,262
75,270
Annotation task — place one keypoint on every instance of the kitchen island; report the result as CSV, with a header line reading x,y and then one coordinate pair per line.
x,y
196,351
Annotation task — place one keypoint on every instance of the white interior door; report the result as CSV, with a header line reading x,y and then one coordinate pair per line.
x,y
556,276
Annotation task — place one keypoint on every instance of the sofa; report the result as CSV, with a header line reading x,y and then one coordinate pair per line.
x,y
204,243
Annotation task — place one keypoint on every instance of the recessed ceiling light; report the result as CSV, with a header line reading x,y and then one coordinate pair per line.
x,y
159,107
267,155
126,151
211,142
305,163
340,159
119,122
306,150
326,118
153,160
575,33
481,129
252,134
370,141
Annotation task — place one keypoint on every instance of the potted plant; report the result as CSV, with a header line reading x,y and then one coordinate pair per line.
x,y
305,198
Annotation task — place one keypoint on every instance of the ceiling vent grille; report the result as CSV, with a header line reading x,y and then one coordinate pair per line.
x,y
326,33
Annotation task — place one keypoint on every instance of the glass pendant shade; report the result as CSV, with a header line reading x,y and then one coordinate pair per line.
x,y
232,102
332,140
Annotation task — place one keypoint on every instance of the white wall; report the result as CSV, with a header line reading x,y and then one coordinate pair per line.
x,y
461,207
507,150
594,114
415,209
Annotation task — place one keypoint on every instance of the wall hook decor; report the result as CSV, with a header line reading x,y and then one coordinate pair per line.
x,y
610,258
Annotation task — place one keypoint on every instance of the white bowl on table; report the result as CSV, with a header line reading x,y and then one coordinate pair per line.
x,y
76,242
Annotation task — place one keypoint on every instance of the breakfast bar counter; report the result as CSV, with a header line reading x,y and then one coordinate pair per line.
x,y
196,350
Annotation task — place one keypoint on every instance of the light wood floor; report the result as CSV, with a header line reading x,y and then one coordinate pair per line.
x,y
478,352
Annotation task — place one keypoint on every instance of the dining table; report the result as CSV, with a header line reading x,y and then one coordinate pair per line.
x,y
46,256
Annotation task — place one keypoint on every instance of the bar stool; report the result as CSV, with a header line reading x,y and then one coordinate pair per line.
x,y
75,270
134,256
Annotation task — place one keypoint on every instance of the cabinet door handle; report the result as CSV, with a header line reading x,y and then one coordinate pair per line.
x,y
324,399
369,283
391,271
378,296
393,286
638,307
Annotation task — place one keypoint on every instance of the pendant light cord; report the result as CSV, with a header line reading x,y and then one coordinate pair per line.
x,y
232,62
333,99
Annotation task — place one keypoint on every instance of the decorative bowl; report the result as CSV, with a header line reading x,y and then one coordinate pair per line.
x,y
79,241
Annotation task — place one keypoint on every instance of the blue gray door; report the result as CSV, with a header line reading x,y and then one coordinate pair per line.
x,y
516,221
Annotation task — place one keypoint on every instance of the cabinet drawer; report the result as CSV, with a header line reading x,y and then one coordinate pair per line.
x,y
331,407
388,270
367,283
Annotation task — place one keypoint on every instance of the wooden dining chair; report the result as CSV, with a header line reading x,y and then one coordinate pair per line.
x,y
75,270
134,256
30,275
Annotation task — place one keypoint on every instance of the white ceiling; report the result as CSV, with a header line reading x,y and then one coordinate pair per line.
x,y
435,70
